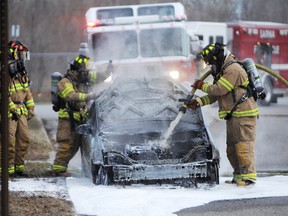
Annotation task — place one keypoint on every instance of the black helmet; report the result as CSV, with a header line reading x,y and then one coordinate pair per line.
x,y
80,62
80,66
213,54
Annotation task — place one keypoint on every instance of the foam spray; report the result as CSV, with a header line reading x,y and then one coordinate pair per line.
x,y
173,124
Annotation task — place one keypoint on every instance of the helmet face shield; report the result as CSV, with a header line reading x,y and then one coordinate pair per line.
x,y
12,68
24,55
83,75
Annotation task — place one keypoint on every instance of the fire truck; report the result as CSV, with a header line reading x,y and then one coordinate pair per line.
x,y
151,37
265,42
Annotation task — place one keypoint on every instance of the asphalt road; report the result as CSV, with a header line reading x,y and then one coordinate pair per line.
x,y
277,206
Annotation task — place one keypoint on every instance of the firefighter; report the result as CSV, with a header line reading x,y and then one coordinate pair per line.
x,y
74,90
20,107
236,106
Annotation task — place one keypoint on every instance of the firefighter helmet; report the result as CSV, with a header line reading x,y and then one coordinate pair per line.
x,y
80,66
18,50
79,63
213,53
17,54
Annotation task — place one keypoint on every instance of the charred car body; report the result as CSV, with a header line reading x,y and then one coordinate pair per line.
x,y
121,142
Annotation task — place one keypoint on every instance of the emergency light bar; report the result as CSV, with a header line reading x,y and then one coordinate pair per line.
x,y
135,19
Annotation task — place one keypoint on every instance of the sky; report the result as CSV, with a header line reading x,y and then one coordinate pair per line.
x,y
143,200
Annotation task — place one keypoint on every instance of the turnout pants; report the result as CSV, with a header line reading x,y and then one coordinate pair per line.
x,y
18,141
241,137
69,142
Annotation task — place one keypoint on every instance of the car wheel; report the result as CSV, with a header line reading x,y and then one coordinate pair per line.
x,y
213,172
101,177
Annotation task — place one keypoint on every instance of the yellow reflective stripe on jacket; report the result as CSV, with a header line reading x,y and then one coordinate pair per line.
x,y
76,115
18,87
20,110
224,82
12,106
29,103
68,89
245,113
93,76
205,87
82,96
63,114
246,82
205,100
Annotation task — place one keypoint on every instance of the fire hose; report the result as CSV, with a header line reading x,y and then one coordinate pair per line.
x,y
259,66
186,101
272,73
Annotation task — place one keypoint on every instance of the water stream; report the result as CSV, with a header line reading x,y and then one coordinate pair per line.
x,y
173,124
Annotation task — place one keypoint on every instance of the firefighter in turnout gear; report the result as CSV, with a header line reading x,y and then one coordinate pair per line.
x,y
236,106
73,90
20,107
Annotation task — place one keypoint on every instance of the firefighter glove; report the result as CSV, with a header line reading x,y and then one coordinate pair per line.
x,y
15,115
91,96
194,104
198,84
30,114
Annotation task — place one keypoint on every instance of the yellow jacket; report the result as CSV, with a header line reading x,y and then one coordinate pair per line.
x,y
223,89
20,97
75,95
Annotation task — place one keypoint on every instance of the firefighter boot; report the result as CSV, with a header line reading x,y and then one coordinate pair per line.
x,y
234,180
19,171
245,183
59,170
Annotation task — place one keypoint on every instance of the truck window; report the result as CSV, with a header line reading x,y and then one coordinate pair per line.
x,y
161,42
263,52
167,10
112,13
211,39
220,39
114,45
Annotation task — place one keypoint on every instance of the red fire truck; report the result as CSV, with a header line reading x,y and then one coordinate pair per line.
x,y
265,42
138,38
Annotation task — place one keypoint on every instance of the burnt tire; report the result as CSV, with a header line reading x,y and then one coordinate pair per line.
x,y
213,172
101,176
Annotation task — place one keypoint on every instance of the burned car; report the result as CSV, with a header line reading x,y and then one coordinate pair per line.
x,y
121,142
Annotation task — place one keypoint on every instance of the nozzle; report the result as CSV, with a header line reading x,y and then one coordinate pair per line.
x,y
183,108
